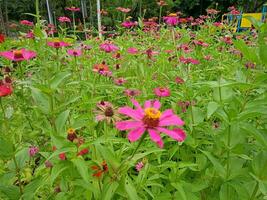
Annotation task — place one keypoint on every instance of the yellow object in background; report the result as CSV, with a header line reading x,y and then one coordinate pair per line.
x,y
245,23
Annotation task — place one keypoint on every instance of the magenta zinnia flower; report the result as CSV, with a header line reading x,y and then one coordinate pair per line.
x,y
18,55
64,19
150,119
162,92
108,47
171,20
128,24
72,9
58,44
26,23
74,52
132,50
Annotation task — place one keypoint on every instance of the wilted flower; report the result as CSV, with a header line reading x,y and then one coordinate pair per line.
x,y
33,150
71,134
250,65
179,80
217,24
100,170
30,35
83,152
227,40
200,43
105,111
150,119
162,3
48,164
18,55
185,48
212,11
189,60
64,19
162,92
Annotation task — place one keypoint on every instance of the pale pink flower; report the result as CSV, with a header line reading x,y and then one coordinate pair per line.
x,y
64,19
33,150
105,111
18,55
72,9
108,47
132,92
74,52
139,166
119,81
150,119
26,23
132,50
162,92
124,10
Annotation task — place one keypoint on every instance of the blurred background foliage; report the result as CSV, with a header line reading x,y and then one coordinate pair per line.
x,y
15,10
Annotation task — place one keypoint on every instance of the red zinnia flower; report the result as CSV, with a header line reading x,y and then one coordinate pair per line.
x,y
100,170
2,38
5,90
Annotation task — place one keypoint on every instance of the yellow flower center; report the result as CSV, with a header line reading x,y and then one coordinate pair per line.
x,y
18,54
151,118
172,15
71,131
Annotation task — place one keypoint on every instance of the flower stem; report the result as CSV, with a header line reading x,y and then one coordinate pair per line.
x,y
18,174
74,26
2,107
160,12
139,144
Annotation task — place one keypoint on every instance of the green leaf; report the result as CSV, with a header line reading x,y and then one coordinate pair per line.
x,y
32,187
180,191
57,170
263,53
41,100
217,165
82,168
130,189
110,190
61,120
6,149
58,79
212,107
259,166
12,192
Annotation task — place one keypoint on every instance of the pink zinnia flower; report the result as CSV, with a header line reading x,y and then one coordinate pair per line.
x,y
26,23
74,52
189,60
129,24
227,40
171,20
18,55
72,9
185,48
162,92
58,44
33,150
150,119
139,166
132,50
108,47
217,24
119,81
179,80
64,19
30,35
124,10
132,92
200,43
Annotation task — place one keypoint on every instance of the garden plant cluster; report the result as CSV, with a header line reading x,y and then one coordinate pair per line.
x,y
170,110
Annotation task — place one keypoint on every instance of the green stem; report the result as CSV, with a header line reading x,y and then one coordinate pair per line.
x,y
254,191
3,109
228,160
74,26
160,13
18,174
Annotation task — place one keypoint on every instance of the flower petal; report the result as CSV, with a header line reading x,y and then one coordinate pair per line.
x,y
147,104
176,134
170,119
135,114
156,104
135,134
155,137
125,125
137,105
